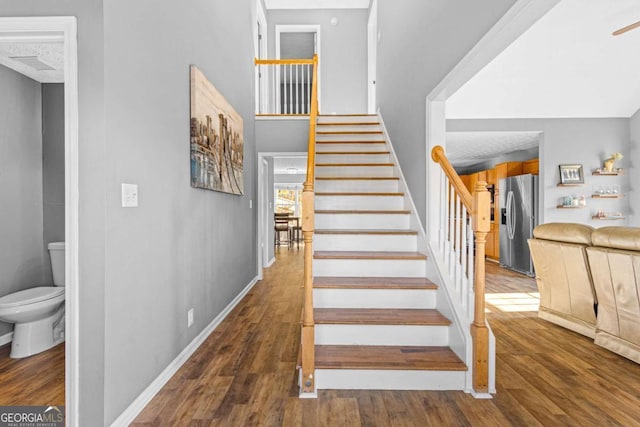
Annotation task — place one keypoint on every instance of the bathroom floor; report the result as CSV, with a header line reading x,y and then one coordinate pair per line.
x,y
35,380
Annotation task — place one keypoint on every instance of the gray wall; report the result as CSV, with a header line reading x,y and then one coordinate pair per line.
x,y
91,192
634,170
52,169
343,54
570,141
420,42
281,136
181,248
21,257
145,72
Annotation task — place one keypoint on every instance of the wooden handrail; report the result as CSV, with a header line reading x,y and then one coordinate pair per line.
x,y
479,206
438,156
308,209
283,61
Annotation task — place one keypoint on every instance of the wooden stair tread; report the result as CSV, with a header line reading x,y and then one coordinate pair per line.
x,y
379,316
365,231
349,132
357,193
357,178
369,255
353,164
365,212
387,358
334,141
349,124
373,283
350,153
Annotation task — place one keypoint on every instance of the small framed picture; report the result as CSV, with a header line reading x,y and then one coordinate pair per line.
x,y
571,174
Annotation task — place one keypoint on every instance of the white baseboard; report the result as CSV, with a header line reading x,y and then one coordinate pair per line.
x,y
149,393
270,263
6,338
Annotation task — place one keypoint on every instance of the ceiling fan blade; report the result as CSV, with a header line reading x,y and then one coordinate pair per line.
x,y
627,28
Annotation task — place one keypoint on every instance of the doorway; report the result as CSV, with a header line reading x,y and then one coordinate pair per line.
x,y
297,42
62,30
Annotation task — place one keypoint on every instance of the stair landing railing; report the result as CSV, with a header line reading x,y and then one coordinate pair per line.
x,y
464,221
293,90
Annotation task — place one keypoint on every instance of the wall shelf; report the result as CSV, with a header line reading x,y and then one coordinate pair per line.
x,y
606,218
605,173
606,196
569,207
570,185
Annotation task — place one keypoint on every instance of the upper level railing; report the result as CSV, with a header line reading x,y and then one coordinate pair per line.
x,y
285,86
464,220
297,94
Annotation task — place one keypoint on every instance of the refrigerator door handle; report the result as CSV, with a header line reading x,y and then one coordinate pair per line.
x,y
515,217
509,214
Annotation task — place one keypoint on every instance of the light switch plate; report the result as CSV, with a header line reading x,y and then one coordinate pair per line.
x,y
129,195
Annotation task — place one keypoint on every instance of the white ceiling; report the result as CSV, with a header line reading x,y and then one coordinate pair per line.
x,y
566,65
317,4
470,148
281,164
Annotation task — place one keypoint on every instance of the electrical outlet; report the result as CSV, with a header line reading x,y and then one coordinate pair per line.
x,y
190,318
250,204
129,195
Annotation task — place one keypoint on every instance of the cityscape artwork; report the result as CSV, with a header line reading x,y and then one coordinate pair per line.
x,y
216,138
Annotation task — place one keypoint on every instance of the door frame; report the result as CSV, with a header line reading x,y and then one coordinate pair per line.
x,y
372,55
303,29
261,53
64,27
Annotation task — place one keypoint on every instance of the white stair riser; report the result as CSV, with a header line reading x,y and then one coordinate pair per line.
x,y
359,202
365,242
320,148
412,335
347,119
369,268
346,171
373,298
352,158
349,137
361,221
358,186
361,379
347,128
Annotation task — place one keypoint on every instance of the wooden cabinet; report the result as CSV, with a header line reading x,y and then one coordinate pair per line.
x,y
531,166
491,176
490,246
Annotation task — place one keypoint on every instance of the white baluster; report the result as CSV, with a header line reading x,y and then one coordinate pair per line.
x,y
290,88
458,242
469,300
443,213
452,223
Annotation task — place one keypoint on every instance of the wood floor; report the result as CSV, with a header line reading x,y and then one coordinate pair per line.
x,y
243,375
35,380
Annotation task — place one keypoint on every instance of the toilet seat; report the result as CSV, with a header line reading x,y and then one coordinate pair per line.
x,y
31,296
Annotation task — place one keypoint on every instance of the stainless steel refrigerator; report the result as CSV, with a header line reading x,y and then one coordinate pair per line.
x,y
518,212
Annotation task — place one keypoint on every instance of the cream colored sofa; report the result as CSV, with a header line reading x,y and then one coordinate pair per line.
x,y
567,297
615,266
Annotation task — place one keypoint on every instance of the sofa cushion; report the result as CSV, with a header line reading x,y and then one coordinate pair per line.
x,y
627,238
564,232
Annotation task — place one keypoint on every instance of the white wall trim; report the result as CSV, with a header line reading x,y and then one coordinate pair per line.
x,y
149,393
68,27
6,338
270,263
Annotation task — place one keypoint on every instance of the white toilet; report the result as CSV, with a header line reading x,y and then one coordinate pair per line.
x,y
38,313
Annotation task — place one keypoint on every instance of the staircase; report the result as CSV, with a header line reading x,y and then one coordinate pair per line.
x,y
377,323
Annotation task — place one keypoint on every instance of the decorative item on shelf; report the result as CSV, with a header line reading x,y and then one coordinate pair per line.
x,y
582,201
606,192
602,215
608,163
571,174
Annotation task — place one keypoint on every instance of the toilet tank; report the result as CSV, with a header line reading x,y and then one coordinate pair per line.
x,y
56,253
